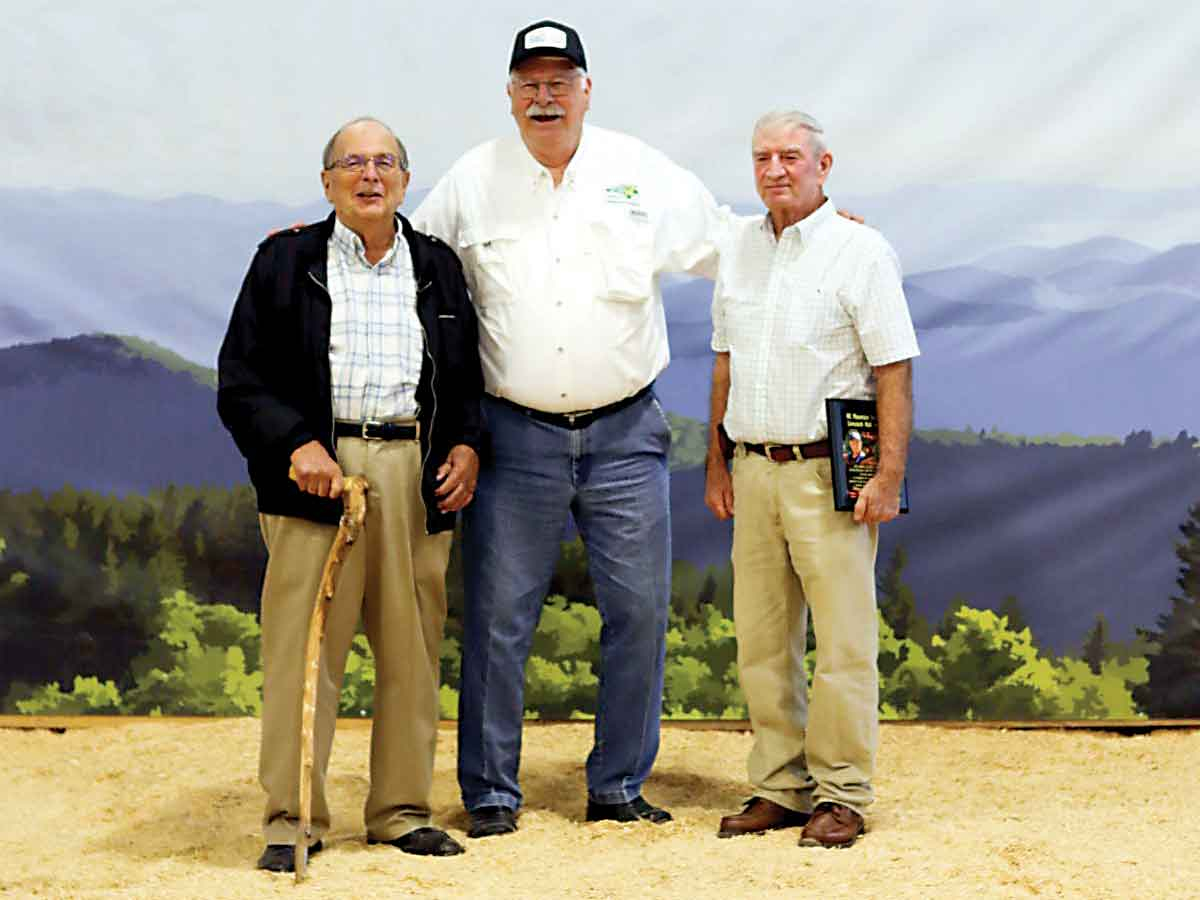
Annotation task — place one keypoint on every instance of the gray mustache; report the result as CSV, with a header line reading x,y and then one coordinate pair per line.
x,y
550,109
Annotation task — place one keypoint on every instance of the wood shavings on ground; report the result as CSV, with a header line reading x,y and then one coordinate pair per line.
x,y
172,810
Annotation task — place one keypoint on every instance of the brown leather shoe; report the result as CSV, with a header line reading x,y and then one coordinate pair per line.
x,y
759,815
832,825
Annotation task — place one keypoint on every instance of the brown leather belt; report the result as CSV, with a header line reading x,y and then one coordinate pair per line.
x,y
789,452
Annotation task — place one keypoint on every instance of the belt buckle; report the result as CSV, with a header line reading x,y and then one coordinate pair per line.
x,y
580,414
371,423
786,453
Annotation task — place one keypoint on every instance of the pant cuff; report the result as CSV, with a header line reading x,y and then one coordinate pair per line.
x,y
508,801
800,801
859,806
611,797
285,831
399,828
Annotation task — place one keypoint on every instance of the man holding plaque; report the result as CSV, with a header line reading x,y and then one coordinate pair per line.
x,y
808,305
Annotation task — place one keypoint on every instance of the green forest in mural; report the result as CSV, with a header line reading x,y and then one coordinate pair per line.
x,y
146,605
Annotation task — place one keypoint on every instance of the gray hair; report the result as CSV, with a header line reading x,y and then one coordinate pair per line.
x,y
401,153
793,118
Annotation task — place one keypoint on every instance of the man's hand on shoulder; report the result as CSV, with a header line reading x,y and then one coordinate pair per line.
x,y
458,475
315,471
844,213
878,501
296,226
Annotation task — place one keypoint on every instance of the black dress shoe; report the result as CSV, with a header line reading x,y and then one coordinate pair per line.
x,y
424,842
282,857
635,809
489,820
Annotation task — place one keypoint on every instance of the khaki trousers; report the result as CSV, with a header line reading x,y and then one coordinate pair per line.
x,y
793,552
395,577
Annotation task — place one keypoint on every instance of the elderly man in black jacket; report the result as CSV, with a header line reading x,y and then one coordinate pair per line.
x,y
353,349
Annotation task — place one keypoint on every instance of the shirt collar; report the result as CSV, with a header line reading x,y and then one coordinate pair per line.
x,y
538,173
579,162
806,227
352,247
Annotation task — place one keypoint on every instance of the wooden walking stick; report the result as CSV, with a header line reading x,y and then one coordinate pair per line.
x,y
354,501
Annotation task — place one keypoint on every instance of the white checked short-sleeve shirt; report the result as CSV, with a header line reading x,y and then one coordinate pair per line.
x,y
565,281
803,318
375,338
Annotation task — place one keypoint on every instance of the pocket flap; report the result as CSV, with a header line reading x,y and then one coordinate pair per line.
x,y
482,235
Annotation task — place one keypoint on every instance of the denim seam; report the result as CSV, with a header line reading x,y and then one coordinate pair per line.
x,y
661,414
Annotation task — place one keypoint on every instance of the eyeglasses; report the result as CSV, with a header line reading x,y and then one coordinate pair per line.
x,y
558,87
385,163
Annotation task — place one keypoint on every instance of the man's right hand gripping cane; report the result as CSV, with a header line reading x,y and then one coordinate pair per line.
x,y
315,471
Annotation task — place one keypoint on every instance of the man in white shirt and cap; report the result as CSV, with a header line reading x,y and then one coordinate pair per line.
x,y
563,230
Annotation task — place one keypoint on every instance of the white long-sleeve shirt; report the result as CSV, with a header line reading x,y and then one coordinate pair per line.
x,y
565,280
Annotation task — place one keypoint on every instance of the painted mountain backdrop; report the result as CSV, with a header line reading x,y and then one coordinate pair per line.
x,y
1095,337
1072,531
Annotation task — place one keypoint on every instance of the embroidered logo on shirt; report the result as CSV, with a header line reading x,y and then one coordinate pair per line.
x,y
622,193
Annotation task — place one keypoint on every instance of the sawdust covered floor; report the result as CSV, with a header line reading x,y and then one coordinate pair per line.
x,y
153,810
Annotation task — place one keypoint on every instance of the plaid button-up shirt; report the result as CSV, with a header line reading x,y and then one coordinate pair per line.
x,y
375,337
803,318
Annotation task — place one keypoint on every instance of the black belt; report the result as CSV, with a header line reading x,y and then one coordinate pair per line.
x,y
789,452
576,420
377,431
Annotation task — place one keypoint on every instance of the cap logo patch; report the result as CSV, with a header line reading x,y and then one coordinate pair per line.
x,y
546,36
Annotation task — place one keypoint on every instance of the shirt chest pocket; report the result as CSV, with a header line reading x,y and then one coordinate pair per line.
x,y
489,257
812,315
744,312
624,252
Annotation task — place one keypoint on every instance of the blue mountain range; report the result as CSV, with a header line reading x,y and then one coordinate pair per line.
x,y
1061,341
1092,337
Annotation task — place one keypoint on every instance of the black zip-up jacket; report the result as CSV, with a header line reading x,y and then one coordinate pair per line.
x,y
274,390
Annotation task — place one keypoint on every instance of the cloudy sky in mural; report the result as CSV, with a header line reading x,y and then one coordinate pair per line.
x,y
234,100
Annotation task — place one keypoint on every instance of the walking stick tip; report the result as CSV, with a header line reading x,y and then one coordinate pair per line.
x,y
300,857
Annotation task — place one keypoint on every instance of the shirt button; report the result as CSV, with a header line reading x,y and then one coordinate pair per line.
x,y
564,396
560,349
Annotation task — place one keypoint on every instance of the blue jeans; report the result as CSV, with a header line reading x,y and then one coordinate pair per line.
x,y
612,478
